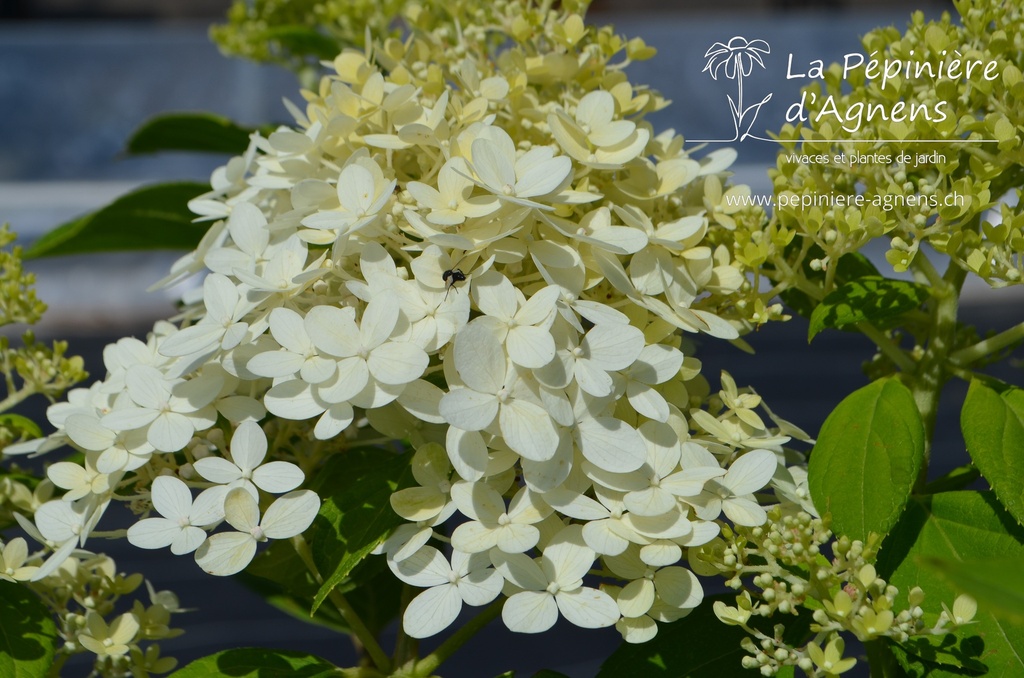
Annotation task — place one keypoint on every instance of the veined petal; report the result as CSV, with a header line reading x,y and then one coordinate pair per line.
x,y
543,177
333,330
528,429
87,431
129,418
292,400
613,345
611,444
567,557
480,357
153,533
678,587
636,597
468,409
275,364
478,501
495,296
417,503
432,611
278,477
520,570
474,537
226,553
514,538
248,445
530,612
587,607
146,386
241,510
286,326
637,629
335,420
351,376
744,511
196,339
188,539
751,472
171,497
467,453
426,567
290,514
378,321
397,362
480,587
208,508
217,470
170,432
530,346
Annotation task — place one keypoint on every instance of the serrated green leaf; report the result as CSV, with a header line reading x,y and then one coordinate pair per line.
x,y
994,584
28,635
356,514
698,646
957,526
153,217
257,662
866,459
201,132
992,421
868,299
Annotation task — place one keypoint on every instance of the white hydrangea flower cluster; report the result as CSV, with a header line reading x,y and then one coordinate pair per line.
x,y
482,250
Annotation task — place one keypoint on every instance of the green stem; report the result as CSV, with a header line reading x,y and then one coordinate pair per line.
x,y
888,347
426,666
881,660
348,613
922,264
15,398
927,381
987,347
406,647
58,664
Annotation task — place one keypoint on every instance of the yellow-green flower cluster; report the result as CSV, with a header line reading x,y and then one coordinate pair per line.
x,y
937,193
785,560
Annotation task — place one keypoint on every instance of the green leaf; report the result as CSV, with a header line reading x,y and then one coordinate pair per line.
x,y
994,584
356,514
868,299
202,132
21,426
917,667
256,662
992,421
851,266
697,646
303,41
867,458
956,526
28,635
153,217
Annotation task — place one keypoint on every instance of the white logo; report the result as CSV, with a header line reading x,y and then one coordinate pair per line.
x,y
736,60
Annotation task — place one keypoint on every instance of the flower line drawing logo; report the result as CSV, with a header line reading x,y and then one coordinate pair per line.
x,y
736,60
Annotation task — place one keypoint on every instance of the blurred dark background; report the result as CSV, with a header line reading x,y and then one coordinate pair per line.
x,y
77,77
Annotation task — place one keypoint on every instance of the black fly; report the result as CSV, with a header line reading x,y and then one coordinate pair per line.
x,y
451,277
